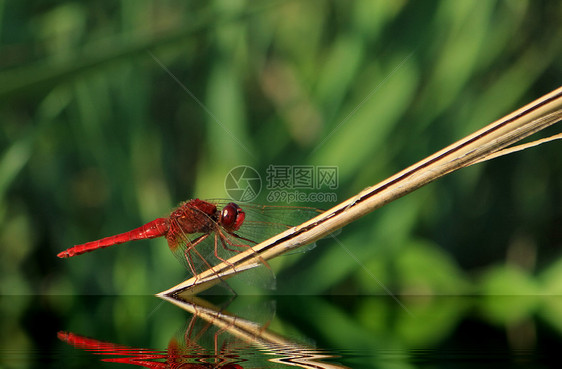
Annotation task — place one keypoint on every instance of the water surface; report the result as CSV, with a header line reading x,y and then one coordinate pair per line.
x,y
302,331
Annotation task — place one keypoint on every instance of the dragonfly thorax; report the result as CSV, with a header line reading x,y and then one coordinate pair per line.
x,y
194,216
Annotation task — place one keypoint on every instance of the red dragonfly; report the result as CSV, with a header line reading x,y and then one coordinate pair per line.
x,y
198,231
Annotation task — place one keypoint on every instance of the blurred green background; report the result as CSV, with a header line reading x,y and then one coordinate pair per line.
x,y
112,112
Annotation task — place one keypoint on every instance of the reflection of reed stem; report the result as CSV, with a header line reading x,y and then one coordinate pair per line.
x,y
283,350
479,146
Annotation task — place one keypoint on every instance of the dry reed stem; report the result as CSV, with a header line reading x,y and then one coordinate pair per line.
x,y
477,147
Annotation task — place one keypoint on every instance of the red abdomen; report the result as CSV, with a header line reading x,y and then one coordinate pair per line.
x,y
157,228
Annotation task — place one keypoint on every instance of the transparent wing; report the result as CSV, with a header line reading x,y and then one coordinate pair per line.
x,y
265,221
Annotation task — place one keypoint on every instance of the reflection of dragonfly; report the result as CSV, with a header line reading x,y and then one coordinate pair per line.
x,y
174,357
230,336
203,233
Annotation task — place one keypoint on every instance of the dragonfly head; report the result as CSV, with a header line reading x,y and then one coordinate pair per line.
x,y
232,217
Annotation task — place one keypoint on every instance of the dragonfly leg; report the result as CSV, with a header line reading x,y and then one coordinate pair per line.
x,y
187,254
190,263
193,248
217,236
228,248
241,245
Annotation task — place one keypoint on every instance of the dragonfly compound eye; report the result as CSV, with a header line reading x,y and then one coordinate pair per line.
x,y
232,217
